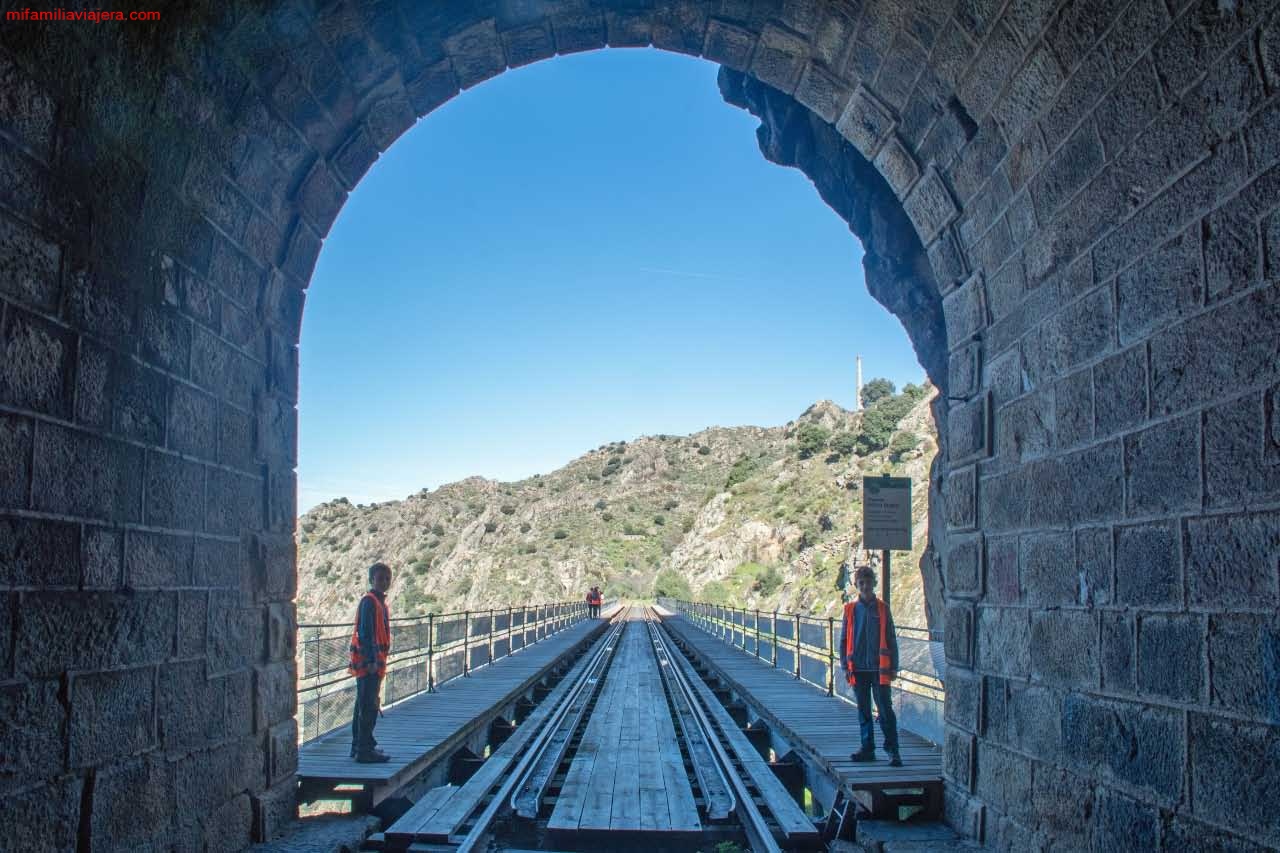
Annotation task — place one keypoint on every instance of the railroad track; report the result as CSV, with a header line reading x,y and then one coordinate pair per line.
x,y
630,741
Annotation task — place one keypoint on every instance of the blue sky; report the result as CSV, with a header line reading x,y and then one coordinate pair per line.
x,y
587,249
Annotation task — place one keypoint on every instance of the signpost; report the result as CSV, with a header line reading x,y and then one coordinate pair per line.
x,y
886,520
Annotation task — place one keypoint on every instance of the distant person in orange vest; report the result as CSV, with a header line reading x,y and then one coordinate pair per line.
x,y
370,644
869,652
594,600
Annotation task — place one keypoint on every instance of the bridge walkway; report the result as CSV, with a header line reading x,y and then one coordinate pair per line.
x,y
430,726
822,728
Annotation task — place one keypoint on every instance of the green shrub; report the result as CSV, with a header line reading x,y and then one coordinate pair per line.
x,y
560,534
372,528
606,516
308,527
875,390
741,470
686,525
670,504
659,520
703,450
844,442
810,439
631,530
903,442
768,582
490,526
879,422
671,584
437,529
602,503
715,592
525,527
508,509
528,548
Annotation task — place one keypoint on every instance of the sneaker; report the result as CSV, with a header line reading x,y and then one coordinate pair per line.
x,y
895,760
863,755
373,756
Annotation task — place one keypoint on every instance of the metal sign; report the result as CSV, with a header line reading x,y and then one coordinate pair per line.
x,y
886,513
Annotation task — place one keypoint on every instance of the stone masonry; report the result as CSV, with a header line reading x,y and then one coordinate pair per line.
x,y
1072,205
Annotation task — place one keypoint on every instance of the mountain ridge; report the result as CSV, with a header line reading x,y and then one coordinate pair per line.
x,y
749,515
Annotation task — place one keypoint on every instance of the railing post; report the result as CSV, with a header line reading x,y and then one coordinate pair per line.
x,y
431,647
756,624
466,644
773,629
797,629
831,656
510,632
490,635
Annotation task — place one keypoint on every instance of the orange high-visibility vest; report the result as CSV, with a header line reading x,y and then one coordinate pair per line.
x,y
594,598
359,665
886,662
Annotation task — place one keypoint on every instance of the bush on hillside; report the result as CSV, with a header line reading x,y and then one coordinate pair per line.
x,y
671,584
877,389
810,439
768,582
508,509
880,421
437,529
844,443
560,534
741,470
525,527
903,442
490,526
703,450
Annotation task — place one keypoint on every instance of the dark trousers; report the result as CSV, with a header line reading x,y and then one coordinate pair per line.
x,y
365,716
867,686
594,609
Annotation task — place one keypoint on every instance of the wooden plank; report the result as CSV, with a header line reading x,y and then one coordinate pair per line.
x,y
789,817
449,819
822,727
403,831
425,728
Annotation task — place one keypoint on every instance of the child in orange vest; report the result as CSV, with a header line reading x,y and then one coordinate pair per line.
x,y
869,653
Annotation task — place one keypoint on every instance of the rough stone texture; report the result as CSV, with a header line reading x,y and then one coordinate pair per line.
x,y
1071,208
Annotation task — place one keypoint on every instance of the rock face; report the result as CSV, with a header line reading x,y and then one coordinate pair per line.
x,y
741,515
1071,206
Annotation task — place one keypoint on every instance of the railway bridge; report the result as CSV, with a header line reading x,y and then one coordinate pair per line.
x,y
1072,206
680,725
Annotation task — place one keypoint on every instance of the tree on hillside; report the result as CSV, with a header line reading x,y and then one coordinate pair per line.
x,y
844,443
810,439
877,389
671,584
879,422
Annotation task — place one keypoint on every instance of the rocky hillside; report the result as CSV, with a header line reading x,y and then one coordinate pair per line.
x,y
752,516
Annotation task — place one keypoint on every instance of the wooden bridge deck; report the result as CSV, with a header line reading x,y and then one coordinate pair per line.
x,y
628,773
823,728
425,728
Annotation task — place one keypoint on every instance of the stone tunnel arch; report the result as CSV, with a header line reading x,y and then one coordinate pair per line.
x,y
1089,186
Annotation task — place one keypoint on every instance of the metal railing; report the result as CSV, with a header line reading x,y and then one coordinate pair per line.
x,y
806,647
426,651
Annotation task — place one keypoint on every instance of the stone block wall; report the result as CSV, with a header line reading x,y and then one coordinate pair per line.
x,y
1070,204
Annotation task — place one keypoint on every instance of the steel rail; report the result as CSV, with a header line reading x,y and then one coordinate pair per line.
x,y
472,840
759,835
666,668
526,799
